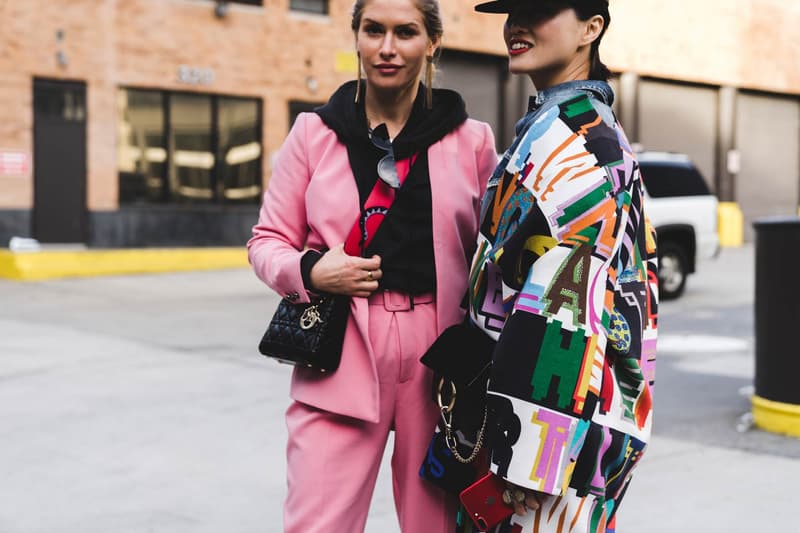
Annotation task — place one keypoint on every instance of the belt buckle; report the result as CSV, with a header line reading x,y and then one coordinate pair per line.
x,y
397,301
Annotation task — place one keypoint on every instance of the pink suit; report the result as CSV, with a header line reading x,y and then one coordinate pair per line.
x,y
339,423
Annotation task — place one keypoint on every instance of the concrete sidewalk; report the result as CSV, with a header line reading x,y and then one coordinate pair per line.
x,y
140,404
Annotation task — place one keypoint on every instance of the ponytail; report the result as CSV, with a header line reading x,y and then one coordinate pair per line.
x,y
597,69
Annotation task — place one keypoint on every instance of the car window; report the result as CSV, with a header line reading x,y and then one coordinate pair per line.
x,y
662,180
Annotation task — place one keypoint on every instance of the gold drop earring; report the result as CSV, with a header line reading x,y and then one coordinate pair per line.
x,y
429,82
358,76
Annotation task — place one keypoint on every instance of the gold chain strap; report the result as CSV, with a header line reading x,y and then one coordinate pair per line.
x,y
447,417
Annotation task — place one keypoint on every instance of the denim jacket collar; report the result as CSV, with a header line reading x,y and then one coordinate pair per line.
x,y
600,89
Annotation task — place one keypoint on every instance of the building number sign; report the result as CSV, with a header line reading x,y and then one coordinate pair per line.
x,y
195,75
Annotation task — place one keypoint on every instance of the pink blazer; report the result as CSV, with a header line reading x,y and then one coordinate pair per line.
x,y
312,202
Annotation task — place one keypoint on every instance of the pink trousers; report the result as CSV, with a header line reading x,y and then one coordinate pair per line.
x,y
333,460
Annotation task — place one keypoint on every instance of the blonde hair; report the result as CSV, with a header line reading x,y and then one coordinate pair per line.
x,y
431,16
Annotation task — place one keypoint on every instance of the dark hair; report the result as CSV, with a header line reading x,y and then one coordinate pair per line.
x,y
586,9
430,15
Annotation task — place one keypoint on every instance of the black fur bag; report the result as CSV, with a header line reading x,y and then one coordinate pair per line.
x,y
461,360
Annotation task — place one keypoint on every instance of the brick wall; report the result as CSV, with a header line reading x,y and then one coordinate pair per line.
x,y
273,54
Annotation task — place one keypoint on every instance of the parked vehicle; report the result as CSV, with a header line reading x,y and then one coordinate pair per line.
x,y
684,213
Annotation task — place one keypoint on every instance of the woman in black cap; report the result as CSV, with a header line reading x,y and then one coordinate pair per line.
x,y
564,279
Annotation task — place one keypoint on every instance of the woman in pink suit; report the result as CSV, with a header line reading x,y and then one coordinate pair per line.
x,y
406,279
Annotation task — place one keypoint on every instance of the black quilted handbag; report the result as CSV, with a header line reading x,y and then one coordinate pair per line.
x,y
309,335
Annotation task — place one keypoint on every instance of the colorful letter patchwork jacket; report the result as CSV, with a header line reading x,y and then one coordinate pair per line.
x,y
565,280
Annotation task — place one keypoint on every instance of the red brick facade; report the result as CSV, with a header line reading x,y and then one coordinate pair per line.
x,y
276,55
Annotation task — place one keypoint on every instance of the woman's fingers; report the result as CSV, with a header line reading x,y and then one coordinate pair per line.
x,y
339,273
366,275
372,263
520,509
364,263
369,286
522,499
366,284
516,496
532,500
361,294
372,275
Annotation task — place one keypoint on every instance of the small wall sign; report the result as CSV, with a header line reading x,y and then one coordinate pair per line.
x,y
195,75
14,163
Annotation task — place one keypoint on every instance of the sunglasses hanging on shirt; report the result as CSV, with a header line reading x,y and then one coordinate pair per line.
x,y
392,174
387,167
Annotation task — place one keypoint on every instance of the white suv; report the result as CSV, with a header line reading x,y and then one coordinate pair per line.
x,y
684,214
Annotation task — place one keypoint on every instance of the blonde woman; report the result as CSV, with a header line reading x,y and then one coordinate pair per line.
x,y
317,233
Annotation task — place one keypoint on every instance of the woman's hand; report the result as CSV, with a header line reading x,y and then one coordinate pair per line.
x,y
523,499
339,273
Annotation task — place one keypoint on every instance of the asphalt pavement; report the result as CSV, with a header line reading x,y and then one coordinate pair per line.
x,y
140,404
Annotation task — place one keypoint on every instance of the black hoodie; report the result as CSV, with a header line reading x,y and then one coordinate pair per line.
x,y
405,238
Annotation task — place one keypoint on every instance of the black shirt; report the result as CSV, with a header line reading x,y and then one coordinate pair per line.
x,y
404,240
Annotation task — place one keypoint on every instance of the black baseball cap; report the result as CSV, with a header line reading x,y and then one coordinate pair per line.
x,y
507,6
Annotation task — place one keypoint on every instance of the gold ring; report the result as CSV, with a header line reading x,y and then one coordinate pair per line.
x,y
519,495
369,275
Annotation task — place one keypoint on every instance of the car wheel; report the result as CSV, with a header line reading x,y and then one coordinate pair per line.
x,y
673,268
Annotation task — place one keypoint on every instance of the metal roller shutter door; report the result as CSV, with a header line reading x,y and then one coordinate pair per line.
x,y
680,118
479,78
768,139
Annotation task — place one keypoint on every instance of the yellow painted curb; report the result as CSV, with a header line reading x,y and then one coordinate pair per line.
x,y
32,266
776,417
730,224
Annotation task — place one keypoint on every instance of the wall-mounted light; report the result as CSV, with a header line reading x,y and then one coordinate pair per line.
x,y
61,59
221,9
61,56
312,84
